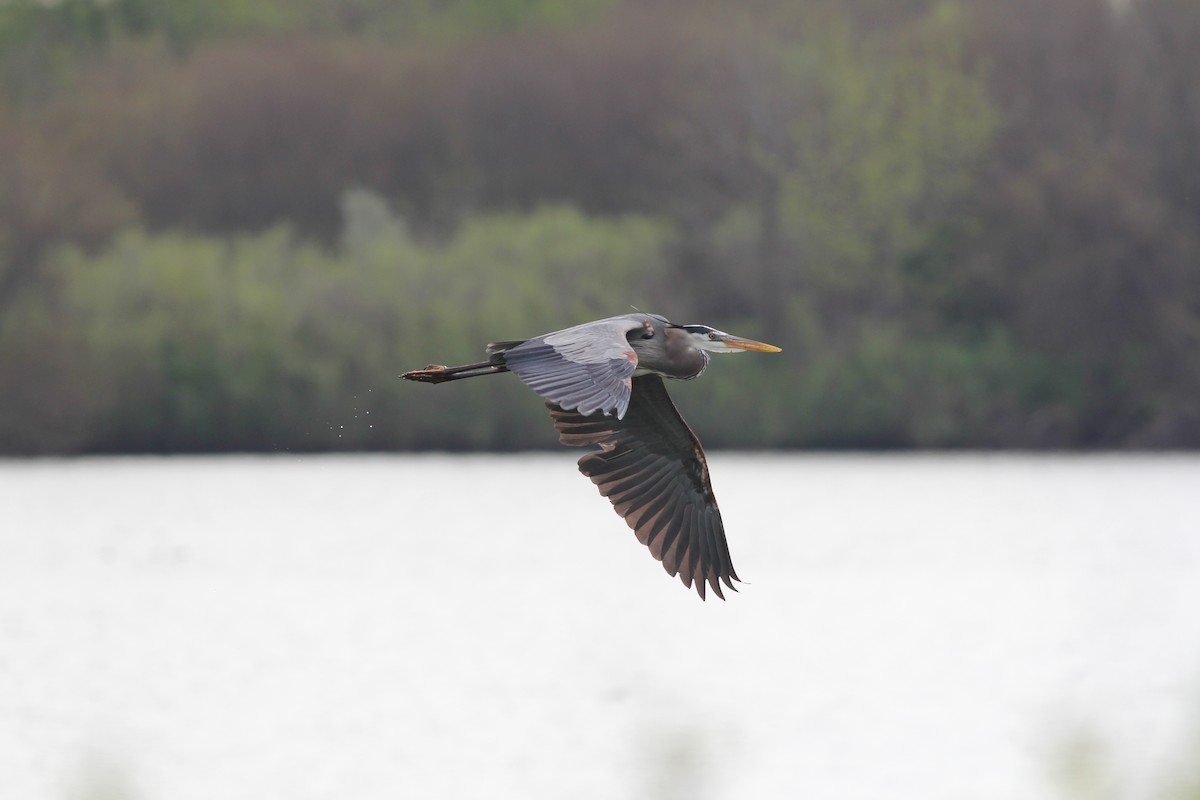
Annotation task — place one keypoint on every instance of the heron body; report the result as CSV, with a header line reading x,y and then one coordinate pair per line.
x,y
603,384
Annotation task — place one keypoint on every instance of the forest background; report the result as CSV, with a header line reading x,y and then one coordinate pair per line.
x,y
230,224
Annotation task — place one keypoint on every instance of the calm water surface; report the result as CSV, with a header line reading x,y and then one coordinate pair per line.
x,y
481,627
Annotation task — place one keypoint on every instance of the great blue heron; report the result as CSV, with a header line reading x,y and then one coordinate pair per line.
x,y
603,384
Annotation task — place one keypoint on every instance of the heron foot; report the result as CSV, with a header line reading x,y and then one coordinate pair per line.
x,y
434,373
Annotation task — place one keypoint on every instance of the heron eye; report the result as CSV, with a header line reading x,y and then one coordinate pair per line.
x,y
712,337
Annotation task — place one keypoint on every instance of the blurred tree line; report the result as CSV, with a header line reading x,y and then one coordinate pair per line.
x,y
229,225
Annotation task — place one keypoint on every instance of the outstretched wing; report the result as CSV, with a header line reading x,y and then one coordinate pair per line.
x,y
588,368
652,468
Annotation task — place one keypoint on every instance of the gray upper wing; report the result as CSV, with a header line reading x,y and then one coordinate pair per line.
x,y
588,368
652,468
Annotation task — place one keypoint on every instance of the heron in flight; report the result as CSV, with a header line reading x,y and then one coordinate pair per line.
x,y
603,384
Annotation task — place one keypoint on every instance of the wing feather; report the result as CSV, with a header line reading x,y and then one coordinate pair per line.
x,y
652,468
587,368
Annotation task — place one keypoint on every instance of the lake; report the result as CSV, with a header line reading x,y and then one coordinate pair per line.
x,y
911,626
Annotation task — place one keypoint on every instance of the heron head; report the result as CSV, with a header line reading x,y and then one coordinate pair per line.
x,y
714,341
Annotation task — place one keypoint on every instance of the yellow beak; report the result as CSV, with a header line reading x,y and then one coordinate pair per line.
x,y
750,344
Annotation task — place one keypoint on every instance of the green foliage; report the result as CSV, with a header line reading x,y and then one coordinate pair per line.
x,y
43,44
269,343
881,171
967,223
176,342
449,20
891,390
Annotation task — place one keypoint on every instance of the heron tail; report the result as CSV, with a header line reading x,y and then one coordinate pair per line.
x,y
500,348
